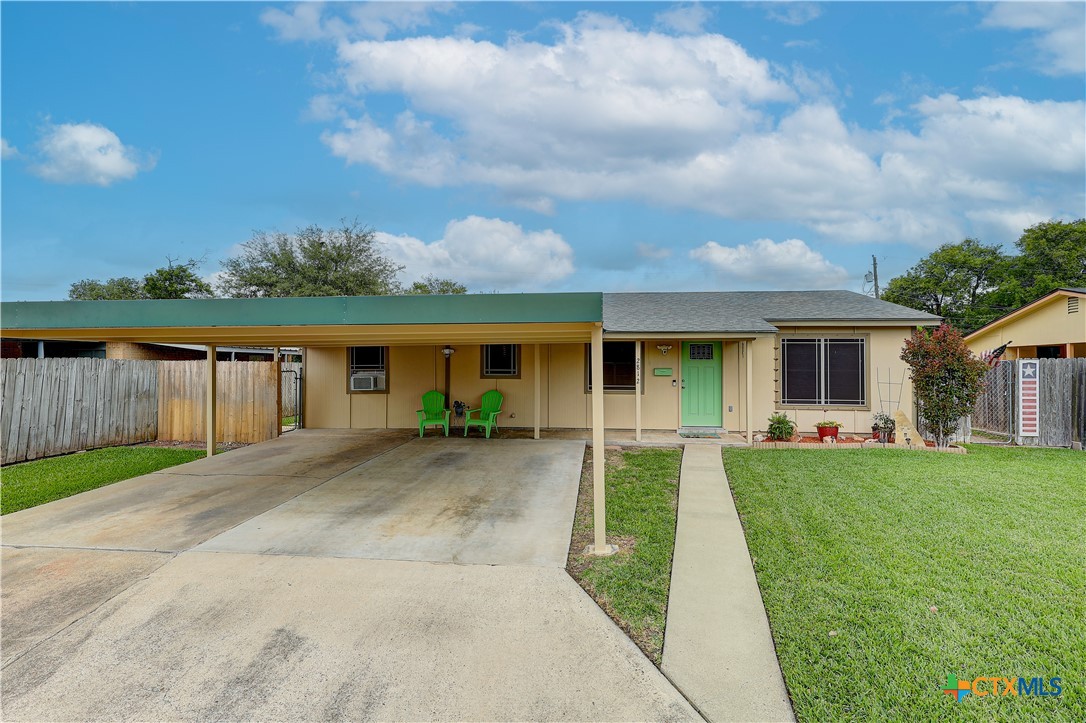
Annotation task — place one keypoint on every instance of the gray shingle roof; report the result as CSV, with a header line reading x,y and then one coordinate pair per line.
x,y
745,311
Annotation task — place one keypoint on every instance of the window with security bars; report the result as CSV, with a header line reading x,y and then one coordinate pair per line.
x,y
501,360
824,372
701,351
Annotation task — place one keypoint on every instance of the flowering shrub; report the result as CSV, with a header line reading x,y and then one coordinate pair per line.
x,y
947,379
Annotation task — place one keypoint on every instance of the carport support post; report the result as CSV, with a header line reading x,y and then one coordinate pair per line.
x,y
211,412
637,391
599,489
750,391
536,367
278,371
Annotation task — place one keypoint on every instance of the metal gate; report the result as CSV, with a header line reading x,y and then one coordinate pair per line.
x,y
993,413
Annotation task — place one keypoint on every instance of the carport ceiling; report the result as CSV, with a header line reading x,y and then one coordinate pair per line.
x,y
329,321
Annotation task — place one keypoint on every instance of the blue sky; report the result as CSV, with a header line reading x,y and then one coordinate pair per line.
x,y
538,146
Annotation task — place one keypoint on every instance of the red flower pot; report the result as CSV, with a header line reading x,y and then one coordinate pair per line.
x,y
824,432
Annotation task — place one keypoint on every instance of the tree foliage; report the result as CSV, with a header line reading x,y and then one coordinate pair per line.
x,y
431,284
343,261
971,283
947,379
173,281
949,281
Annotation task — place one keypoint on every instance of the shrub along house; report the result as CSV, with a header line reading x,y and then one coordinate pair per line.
x,y
722,360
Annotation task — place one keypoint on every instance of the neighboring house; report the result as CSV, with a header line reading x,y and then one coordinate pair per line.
x,y
21,349
1052,327
706,359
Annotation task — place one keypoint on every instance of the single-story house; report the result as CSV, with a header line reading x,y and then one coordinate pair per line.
x,y
570,360
697,359
1052,327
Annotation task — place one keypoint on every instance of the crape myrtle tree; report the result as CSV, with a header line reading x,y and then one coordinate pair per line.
x,y
947,379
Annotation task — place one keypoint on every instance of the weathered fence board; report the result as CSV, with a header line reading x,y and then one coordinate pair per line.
x,y
53,406
245,398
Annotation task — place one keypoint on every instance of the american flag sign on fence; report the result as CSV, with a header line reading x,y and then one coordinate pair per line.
x,y
1029,377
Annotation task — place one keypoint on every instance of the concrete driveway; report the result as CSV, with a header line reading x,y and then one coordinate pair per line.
x,y
310,578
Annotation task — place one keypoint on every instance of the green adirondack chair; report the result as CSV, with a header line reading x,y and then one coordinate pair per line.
x,y
487,413
433,412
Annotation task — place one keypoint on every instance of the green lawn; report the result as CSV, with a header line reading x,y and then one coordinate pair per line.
x,y
922,565
44,480
632,586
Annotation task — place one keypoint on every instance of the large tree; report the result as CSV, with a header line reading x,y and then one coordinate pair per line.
x,y
951,282
342,261
1050,255
173,281
431,284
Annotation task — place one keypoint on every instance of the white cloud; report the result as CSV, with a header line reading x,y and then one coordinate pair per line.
x,y
308,21
792,13
87,153
485,254
651,252
1058,45
7,150
604,111
788,264
684,18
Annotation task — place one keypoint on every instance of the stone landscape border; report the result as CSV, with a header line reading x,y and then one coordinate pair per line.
x,y
953,449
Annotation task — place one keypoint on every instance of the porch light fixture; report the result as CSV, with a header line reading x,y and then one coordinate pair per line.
x,y
448,351
664,348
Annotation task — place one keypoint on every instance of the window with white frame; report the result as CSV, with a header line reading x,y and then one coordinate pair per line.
x,y
368,371
501,360
824,372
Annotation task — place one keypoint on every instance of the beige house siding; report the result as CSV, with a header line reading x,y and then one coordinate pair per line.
x,y
564,401
1047,324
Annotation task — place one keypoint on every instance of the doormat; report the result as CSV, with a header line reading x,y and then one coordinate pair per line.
x,y
699,435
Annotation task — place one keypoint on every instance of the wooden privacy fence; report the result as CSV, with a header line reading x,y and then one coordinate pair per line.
x,y
55,406
245,397
1061,403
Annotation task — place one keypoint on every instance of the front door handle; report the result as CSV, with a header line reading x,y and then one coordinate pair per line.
x,y
684,383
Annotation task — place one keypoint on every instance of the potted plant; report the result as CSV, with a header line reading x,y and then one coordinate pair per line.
x,y
827,429
781,428
883,427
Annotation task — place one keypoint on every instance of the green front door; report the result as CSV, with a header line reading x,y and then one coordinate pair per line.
x,y
701,384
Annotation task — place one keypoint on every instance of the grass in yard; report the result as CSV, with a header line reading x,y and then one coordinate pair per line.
x,y
921,566
289,421
631,586
34,483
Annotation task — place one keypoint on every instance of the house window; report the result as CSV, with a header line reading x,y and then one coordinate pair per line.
x,y
501,360
368,370
824,372
619,366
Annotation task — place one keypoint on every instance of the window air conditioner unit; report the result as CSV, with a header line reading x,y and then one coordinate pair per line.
x,y
367,381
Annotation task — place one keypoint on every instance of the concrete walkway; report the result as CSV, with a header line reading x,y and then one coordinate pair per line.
x,y
718,649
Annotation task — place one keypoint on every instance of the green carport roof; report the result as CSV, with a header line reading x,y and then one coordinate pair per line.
x,y
334,310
